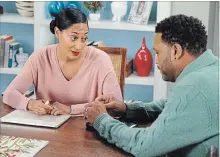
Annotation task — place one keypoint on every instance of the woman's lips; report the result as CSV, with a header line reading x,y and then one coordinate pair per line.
x,y
75,53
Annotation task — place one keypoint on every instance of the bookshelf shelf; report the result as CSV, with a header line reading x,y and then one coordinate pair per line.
x,y
10,70
16,18
137,80
110,25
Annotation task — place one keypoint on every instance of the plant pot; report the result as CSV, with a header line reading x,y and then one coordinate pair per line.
x,y
94,16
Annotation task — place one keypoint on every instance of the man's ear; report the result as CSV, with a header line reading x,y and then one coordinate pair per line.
x,y
57,32
177,51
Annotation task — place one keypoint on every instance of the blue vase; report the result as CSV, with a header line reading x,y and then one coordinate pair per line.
x,y
54,7
73,4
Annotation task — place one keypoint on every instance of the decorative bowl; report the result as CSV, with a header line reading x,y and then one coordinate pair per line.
x,y
25,8
25,13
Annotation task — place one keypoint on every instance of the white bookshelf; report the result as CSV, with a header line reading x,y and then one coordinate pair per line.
x,y
16,18
43,37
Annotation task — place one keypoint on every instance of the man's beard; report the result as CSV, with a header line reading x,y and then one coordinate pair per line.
x,y
168,79
169,66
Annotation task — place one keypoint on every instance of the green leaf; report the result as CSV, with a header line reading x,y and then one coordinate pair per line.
x,y
93,6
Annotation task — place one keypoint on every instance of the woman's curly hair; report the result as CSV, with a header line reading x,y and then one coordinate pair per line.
x,y
187,31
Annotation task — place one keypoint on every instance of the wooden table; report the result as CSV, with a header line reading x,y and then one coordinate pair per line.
x,y
70,140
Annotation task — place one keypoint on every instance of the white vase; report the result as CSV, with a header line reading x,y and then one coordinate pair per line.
x,y
119,9
94,16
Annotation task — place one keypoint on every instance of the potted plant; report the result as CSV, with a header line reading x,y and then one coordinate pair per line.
x,y
93,7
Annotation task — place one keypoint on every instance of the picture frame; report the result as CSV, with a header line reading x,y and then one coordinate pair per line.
x,y
140,12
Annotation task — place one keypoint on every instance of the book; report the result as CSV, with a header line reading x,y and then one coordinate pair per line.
x,y
13,50
7,43
22,147
3,39
2,52
30,118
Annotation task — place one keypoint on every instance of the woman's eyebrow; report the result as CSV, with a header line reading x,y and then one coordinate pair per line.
x,y
78,33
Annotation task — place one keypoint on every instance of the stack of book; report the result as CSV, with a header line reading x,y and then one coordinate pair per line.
x,y
8,49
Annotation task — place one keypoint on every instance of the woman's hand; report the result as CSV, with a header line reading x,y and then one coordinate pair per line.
x,y
112,103
59,108
39,107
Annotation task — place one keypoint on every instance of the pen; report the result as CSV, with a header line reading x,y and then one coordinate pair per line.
x,y
48,103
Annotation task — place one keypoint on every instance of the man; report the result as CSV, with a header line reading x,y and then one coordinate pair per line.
x,y
187,124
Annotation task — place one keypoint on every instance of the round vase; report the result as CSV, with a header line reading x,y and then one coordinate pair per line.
x,y
54,7
143,60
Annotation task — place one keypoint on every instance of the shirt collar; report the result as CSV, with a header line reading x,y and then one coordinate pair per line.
x,y
203,60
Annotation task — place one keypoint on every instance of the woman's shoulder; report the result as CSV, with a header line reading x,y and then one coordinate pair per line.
x,y
98,55
99,58
44,52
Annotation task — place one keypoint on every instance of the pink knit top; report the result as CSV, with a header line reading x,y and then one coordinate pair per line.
x,y
95,77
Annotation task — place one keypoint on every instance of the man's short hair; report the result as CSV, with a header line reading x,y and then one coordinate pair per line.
x,y
187,31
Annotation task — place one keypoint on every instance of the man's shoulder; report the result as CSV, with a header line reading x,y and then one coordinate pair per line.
x,y
205,74
204,80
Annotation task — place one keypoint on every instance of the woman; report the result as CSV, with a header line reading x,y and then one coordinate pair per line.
x,y
68,74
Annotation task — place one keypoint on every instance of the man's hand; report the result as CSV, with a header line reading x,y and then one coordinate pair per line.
x,y
59,108
112,103
39,107
93,110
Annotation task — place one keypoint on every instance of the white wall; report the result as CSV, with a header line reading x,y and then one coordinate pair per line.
x,y
197,9
213,31
207,13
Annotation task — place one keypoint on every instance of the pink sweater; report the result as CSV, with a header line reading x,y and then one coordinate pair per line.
x,y
95,77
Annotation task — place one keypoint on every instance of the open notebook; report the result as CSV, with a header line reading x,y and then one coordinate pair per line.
x,y
29,118
22,147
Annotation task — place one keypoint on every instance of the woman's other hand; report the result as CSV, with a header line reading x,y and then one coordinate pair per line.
x,y
59,108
